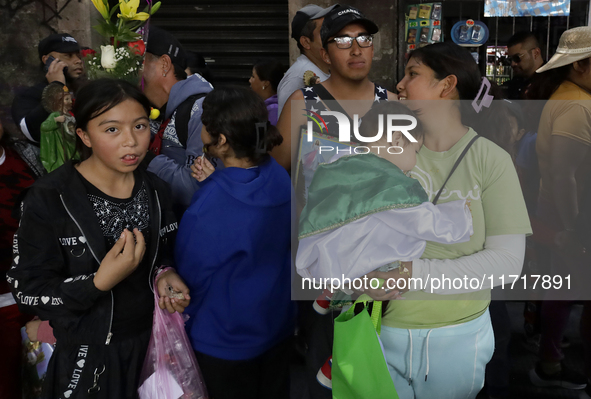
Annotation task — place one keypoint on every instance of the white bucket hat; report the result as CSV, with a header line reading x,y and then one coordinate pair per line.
x,y
574,45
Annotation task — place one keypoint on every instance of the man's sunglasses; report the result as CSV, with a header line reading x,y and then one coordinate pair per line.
x,y
344,42
516,58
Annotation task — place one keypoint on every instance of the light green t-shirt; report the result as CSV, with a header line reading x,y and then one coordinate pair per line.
x,y
488,178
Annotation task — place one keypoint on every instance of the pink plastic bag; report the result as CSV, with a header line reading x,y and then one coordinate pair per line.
x,y
170,370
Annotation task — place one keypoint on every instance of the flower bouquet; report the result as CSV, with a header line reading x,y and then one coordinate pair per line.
x,y
123,57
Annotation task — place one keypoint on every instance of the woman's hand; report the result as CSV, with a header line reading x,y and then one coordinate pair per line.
x,y
201,168
393,280
170,279
121,260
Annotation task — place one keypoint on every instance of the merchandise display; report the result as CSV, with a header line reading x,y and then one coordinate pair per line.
x,y
498,68
469,33
423,25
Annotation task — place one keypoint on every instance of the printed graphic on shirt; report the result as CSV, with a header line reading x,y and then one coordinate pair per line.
x,y
167,229
115,217
170,132
77,373
314,104
427,182
71,241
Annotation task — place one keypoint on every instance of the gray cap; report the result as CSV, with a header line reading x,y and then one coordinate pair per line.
x,y
305,14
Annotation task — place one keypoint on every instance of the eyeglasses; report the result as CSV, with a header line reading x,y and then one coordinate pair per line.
x,y
344,42
516,58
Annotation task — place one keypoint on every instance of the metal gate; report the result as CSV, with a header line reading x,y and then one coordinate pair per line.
x,y
230,34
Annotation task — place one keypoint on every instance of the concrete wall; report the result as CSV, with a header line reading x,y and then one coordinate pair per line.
x,y
384,14
21,28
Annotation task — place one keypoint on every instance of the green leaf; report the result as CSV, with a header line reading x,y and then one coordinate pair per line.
x,y
155,8
126,35
105,29
113,10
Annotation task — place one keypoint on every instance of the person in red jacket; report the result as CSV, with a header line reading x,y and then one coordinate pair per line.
x,y
15,176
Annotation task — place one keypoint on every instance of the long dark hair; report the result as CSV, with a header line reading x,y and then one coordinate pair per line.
x,y
450,59
96,98
234,112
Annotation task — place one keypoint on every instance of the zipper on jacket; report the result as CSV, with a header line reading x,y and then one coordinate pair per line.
x,y
150,282
110,334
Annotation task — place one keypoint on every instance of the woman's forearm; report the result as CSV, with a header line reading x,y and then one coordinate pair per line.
x,y
501,257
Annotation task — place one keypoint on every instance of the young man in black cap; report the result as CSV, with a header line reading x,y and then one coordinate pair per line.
x,y
348,50
178,138
66,68
309,68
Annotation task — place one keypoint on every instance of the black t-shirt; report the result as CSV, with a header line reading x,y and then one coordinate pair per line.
x,y
134,301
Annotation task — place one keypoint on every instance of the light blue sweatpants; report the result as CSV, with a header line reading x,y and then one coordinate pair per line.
x,y
442,363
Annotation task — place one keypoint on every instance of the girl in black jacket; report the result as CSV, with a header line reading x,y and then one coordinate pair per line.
x,y
91,242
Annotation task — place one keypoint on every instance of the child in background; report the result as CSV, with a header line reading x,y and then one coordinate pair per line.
x,y
234,251
91,238
380,218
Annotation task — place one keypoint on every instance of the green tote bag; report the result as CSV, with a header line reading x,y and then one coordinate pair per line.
x,y
359,369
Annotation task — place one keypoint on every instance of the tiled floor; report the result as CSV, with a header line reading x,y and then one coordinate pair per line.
x,y
522,361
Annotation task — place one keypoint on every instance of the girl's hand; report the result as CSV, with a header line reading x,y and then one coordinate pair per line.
x,y
201,168
170,279
121,260
60,119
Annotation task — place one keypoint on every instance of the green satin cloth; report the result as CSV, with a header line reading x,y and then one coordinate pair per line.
x,y
353,187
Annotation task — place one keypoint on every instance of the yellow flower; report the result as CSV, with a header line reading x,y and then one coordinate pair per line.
x,y
129,10
101,7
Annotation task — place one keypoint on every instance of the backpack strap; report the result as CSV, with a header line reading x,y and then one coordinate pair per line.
x,y
182,117
334,104
455,166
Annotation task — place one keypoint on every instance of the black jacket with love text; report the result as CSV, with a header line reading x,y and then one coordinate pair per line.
x,y
59,246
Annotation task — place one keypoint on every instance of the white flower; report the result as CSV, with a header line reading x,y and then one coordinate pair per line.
x,y
108,57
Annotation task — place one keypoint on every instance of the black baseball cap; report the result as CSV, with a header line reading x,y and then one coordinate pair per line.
x,y
60,42
161,42
309,12
341,16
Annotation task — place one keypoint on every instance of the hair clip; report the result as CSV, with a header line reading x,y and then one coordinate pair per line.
x,y
261,145
486,100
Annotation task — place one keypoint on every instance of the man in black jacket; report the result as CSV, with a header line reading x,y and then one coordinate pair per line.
x,y
525,54
66,68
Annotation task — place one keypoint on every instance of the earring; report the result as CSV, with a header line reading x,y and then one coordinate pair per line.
x,y
263,87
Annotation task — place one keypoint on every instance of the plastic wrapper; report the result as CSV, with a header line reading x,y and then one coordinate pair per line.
x,y
170,370
36,358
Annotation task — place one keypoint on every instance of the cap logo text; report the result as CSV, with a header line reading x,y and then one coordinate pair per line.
x,y
348,11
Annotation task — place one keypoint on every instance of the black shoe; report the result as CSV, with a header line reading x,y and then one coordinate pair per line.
x,y
565,378
586,394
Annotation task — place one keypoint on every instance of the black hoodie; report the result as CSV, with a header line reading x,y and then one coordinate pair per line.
x,y
59,246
